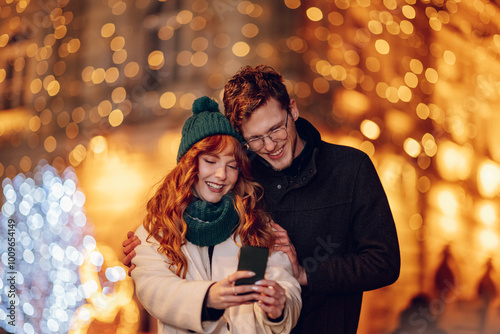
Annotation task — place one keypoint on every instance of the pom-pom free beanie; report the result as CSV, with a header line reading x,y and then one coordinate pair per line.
x,y
206,121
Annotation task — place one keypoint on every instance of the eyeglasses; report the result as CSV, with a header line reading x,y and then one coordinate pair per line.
x,y
277,135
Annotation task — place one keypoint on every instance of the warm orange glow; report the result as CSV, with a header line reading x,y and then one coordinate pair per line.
x,y
488,240
489,179
415,221
321,85
98,75
156,60
250,30
412,147
34,123
382,46
50,144
408,11
416,66
314,14
449,57
431,75
292,4
119,95
199,59
448,203
352,102
454,162
165,33
187,100
184,16
77,155
120,56
112,74
98,145
117,182
107,30
104,108
4,39
184,58
429,144
117,43
167,100
265,50
449,227
370,129
116,117
241,49
488,214
131,69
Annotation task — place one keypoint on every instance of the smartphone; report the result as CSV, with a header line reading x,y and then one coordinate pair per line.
x,y
253,259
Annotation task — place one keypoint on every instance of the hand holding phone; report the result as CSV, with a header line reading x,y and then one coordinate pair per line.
x,y
252,259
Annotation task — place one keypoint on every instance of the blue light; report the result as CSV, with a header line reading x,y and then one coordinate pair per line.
x,y
50,226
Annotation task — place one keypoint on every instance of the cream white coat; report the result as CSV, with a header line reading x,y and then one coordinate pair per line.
x,y
177,303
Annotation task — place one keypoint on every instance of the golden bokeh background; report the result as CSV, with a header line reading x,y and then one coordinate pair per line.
x,y
98,90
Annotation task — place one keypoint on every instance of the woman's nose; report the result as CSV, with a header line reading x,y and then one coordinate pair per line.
x,y
220,173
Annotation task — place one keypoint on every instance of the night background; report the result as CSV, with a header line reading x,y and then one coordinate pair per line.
x,y
93,95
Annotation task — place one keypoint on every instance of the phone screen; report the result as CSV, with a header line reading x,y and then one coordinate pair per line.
x,y
252,259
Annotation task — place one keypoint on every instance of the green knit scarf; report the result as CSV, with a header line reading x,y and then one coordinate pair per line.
x,y
209,224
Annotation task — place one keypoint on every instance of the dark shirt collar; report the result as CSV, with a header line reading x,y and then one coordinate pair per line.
x,y
300,161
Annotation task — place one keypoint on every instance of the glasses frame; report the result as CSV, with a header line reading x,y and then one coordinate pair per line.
x,y
263,138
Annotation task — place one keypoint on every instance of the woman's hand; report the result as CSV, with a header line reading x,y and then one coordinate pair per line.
x,y
284,244
224,293
272,297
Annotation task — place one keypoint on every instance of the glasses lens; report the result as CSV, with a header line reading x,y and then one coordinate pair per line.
x,y
254,145
258,143
279,135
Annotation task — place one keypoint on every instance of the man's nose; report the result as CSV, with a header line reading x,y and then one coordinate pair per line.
x,y
269,144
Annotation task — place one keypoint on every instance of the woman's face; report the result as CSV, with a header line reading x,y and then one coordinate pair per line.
x,y
217,175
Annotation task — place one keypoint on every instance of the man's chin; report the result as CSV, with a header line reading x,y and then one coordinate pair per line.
x,y
278,166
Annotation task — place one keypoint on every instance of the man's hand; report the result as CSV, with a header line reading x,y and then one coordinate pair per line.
x,y
284,244
129,250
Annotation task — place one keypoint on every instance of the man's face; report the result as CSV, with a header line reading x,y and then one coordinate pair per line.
x,y
263,122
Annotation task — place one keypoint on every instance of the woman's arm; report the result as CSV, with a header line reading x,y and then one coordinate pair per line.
x,y
167,297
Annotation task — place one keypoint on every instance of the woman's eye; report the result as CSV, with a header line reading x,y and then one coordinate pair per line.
x,y
233,167
209,161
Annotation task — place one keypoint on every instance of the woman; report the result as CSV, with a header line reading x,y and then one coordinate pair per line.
x,y
205,209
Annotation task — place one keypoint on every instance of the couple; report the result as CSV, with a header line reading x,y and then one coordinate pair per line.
x,y
335,224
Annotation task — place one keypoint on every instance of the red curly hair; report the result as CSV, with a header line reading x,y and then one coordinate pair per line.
x,y
164,218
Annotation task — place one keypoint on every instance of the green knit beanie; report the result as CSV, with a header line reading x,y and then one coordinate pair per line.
x,y
206,121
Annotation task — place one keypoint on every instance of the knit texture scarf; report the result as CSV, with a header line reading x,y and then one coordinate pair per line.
x,y
209,224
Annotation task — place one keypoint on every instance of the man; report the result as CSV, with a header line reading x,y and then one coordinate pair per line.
x,y
332,214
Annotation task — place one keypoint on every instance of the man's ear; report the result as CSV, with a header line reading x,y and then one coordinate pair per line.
x,y
294,110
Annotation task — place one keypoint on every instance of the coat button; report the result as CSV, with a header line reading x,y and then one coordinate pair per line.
x,y
278,186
